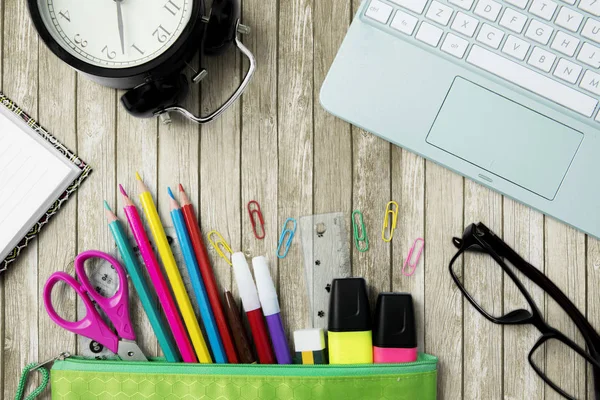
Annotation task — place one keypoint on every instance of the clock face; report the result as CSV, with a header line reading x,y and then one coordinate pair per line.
x,y
115,33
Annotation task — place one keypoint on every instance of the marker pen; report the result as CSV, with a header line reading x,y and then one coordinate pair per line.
x,y
394,332
251,303
350,337
270,306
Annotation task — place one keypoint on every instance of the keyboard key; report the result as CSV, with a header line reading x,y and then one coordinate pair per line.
x,y
589,55
564,43
413,5
379,11
490,36
455,45
464,24
539,31
597,117
518,3
591,30
541,59
591,6
464,4
439,13
513,20
515,47
543,9
429,34
569,19
532,81
591,82
488,9
567,71
571,2
404,22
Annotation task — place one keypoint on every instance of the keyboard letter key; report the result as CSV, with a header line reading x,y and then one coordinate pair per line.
x,y
490,36
379,11
455,45
543,9
591,30
589,55
429,34
413,5
591,82
532,81
515,47
569,19
539,32
404,22
567,71
464,4
518,3
488,9
564,43
464,24
541,59
513,20
591,6
439,13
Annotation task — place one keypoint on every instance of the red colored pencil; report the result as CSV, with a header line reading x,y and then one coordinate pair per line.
x,y
208,276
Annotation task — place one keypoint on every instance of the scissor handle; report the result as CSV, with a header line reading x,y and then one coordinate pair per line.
x,y
115,307
91,325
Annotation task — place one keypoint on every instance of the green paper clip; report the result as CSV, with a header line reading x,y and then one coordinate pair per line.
x,y
360,232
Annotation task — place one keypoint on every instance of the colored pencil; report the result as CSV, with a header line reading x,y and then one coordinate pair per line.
x,y
196,279
168,260
165,340
208,276
239,332
156,276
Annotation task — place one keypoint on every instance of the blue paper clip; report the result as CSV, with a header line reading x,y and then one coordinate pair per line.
x,y
285,231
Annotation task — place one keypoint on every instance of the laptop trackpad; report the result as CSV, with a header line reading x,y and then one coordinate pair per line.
x,y
504,138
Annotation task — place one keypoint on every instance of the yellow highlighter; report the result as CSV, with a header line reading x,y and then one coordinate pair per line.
x,y
166,255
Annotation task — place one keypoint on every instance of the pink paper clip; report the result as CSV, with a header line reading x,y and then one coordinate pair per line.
x,y
413,266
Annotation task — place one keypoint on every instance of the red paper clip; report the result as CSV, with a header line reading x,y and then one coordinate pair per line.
x,y
256,214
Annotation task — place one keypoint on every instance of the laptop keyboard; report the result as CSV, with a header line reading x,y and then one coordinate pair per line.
x,y
549,48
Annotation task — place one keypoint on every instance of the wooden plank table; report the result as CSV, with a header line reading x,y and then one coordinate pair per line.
x,y
278,146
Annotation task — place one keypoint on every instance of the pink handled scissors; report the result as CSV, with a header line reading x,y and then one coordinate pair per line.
x,y
91,325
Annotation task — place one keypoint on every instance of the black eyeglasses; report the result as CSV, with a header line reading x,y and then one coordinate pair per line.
x,y
553,343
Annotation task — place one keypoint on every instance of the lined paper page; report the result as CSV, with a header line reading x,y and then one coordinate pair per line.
x,y
31,174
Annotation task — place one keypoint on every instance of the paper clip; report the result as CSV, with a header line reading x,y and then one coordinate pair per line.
x,y
413,266
220,245
256,216
386,217
360,232
284,232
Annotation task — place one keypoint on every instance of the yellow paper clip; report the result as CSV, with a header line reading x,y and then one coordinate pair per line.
x,y
394,216
220,245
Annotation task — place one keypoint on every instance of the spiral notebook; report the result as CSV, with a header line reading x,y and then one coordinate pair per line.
x,y
37,175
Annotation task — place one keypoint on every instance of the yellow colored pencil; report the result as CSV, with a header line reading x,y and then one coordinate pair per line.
x,y
166,255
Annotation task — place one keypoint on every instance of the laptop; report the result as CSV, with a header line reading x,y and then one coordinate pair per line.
x,y
502,92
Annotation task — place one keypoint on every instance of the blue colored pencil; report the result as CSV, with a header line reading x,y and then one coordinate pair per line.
x,y
199,289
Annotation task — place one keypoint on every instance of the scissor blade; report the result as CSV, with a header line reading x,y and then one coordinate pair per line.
x,y
130,351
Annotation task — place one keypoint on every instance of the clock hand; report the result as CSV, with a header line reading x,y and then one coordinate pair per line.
x,y
120,21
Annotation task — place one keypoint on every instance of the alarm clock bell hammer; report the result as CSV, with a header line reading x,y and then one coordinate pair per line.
x,y
108,43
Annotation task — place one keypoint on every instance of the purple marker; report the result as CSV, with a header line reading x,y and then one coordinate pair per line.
x,y
270,307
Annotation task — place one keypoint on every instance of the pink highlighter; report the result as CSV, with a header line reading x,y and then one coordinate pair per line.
x,y
394,331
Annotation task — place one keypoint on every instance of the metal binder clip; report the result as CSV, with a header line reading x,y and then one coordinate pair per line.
x,y
284,232
256,217
361,241
413,266
394,216
220,245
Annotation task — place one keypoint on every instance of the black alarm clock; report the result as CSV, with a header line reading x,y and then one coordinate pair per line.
x,y
143,46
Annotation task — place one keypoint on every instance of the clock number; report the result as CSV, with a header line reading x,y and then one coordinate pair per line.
x,y
109,54
65,15
80,41
138,49
172,7
161,34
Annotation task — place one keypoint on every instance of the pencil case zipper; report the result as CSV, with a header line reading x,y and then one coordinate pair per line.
x,y
425,363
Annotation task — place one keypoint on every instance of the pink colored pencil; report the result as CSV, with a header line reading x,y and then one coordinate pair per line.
x,y
164,295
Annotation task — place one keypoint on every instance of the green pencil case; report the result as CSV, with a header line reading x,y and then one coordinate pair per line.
x,y
78,378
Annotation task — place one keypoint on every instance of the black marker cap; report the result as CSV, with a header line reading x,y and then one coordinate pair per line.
x,y
395,321
349,309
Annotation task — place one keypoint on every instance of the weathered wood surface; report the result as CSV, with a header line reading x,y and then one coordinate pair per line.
x,y
278,146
